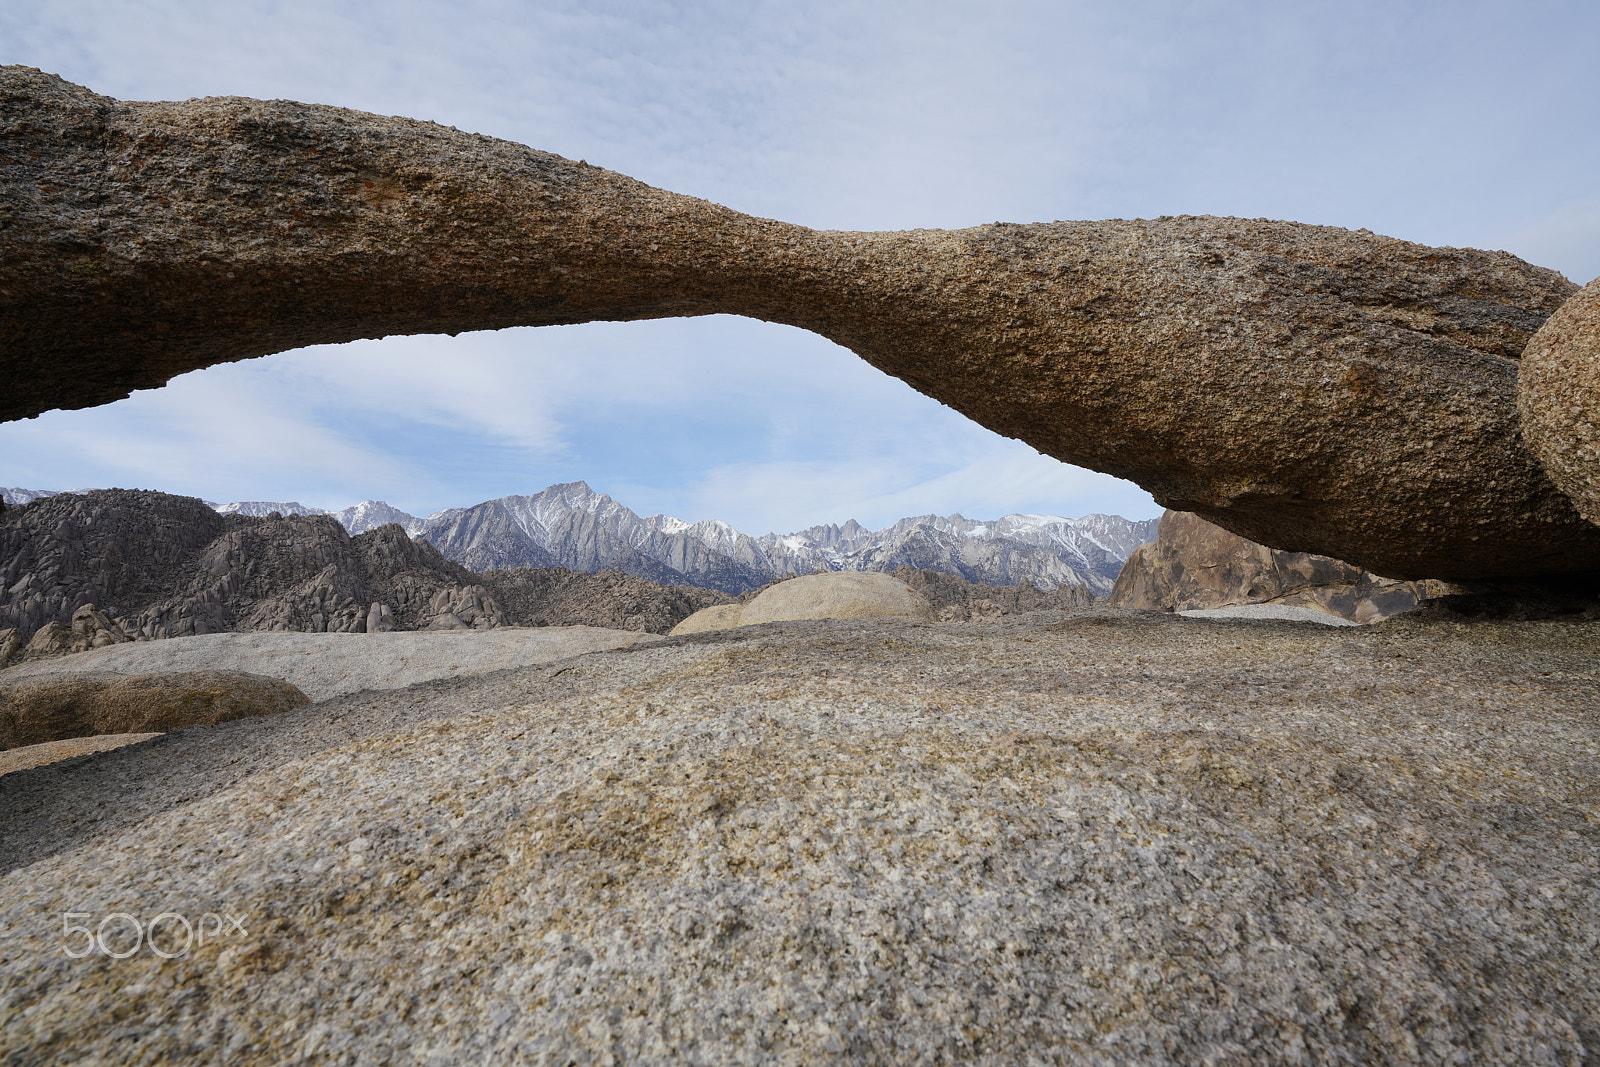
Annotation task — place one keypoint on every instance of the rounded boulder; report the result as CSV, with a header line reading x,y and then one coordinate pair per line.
x,y
85,704
1558,397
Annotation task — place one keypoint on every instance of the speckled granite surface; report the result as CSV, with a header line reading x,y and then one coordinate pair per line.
x,y
1097,838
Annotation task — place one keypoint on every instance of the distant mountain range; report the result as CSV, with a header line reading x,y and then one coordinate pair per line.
x,y
572,526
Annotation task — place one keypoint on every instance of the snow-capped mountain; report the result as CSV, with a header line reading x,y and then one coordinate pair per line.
x,y
572,526
17,497
257,509
371,514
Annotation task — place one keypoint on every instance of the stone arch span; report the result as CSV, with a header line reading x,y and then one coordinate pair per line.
x,y
1312,388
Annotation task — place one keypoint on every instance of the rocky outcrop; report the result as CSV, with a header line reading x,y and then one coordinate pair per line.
x,y
1558,393
1193,565
44,708
831,595
82,571
88,629
1314,389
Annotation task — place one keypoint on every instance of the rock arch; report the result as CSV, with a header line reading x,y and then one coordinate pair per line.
x,y
1311,388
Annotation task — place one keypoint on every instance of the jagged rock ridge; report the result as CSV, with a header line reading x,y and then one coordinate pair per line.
x,y
155,565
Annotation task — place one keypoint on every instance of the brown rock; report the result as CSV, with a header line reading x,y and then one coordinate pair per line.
x,y
52,707
1195,564
1558,393
1316,389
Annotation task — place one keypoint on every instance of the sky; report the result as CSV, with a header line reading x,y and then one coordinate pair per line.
x,y
1460,123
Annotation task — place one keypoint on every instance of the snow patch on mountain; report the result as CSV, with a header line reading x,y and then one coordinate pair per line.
x,y
257,509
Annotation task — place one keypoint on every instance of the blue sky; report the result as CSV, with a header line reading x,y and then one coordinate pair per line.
x,y
1469,124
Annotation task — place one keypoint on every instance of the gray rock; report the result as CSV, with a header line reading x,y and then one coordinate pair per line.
x,y
1091,838
1314,389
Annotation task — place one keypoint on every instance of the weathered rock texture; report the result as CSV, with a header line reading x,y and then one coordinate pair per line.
x,y
1315,389
1558,392
80,571
1193,564
58,706
1102,838
834,595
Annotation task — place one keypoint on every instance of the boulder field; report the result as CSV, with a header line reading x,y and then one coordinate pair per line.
x,y
1313,389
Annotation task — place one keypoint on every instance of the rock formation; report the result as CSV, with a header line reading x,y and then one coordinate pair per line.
x,y
1314,389
1194,564
1558,392
831,595
86,704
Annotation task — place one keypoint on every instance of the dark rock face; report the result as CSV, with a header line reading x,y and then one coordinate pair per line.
x,y
114,565
1194,564
52,708
1315,389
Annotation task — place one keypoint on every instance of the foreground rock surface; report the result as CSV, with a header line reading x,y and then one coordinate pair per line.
x,y
326,665
1559,394
1315,389
1196,565
1089,838
838,595
55,707
47,752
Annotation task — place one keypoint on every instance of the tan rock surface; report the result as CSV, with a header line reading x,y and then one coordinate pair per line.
x,y
716,617
53,707
839,595
326,665
1195,565
47,752
1092,838
1558,392
1316,389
